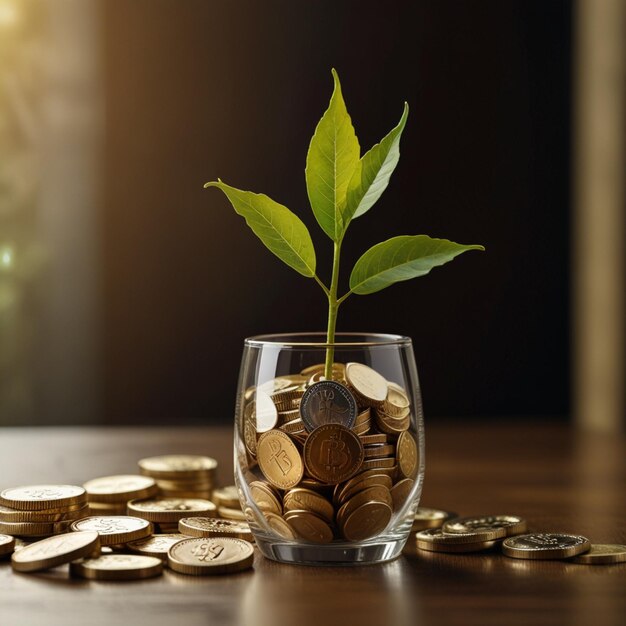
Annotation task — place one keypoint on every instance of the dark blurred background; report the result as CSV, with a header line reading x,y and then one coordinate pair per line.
x,y
179,93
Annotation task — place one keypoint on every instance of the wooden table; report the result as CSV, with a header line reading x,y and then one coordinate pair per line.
x,y
555,478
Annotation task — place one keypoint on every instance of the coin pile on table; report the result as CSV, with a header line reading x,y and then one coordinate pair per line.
x,y
181,475
165,513
228,504
109,495
441,531
329,459
104,544
38,511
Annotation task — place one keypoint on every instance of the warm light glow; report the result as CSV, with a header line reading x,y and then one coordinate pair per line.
x,y
8,14
6,257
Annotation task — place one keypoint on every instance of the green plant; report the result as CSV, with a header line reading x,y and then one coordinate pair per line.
x,y
342,185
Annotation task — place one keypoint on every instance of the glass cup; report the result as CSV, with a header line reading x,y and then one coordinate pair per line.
x,y
329,471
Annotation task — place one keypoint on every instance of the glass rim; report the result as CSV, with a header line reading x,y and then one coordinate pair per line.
x,y
290,340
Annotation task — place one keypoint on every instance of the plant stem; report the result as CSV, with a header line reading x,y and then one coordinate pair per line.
x,y
333,307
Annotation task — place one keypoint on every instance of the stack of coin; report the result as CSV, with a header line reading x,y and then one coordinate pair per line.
x,y
441,531
339,467
109,495
181,475
274,404
430,518
38,511
165,513
228,503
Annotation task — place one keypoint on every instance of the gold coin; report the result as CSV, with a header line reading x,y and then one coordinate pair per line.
x,y
210,556
38,497
455,548
370,386
178,466
315,485
95,508
368,440
602,554
397,402
308,500
265,497
164,510
400,492
212,527
333,453
33,529
279,459
118,567
284,400
55,509
545,546
228,513
15,515
266,413
434,540
55,551
369,464
377,493
116,489
430,518
158,545
249,437
279,525
363,417
288,416
114,530
368,520
392,426
407,454
294,426
7,545
309,526
379,450
362,429
360,482
512,524
227,496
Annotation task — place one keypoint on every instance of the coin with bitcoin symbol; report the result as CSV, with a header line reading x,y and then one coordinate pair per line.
x,y
333,453
279,459
327,402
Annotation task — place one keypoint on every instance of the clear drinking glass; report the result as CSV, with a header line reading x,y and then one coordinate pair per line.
x,y
329,472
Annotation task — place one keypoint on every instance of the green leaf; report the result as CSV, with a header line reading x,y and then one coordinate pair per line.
x,y
402,258
330,163
372,175
275,225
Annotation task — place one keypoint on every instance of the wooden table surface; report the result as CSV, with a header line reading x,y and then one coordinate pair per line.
x,y
558,480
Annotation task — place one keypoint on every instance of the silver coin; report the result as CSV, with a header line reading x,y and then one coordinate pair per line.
x,y
327,402
545,546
